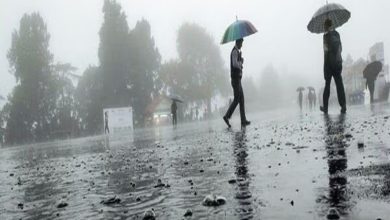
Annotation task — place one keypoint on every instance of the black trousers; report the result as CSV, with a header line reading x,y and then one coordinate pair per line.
x,y
106,129
174,119
300,99
339,86
238,99
371,88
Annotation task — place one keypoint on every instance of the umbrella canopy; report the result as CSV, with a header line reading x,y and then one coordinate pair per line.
x,y
300,89
334,12
176,98
239,29
372,70
311,88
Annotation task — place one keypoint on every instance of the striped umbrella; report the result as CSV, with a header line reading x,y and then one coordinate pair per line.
x,y
239,29
335,12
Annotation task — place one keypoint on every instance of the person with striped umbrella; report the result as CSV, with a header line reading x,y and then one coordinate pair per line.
x,y
236,32
326,20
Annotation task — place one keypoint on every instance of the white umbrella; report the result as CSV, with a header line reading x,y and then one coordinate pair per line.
x,y
334,12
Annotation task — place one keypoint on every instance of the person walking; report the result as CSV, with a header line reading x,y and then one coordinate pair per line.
x,y
236,66
333,67
371,73
300,99
106,128
314,96
310,99
370,84
174,113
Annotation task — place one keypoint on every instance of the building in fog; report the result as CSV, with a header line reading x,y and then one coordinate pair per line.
x,y
354,82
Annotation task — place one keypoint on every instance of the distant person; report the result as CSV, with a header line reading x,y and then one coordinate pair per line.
x,y
174,113
310,99
300,99
106,128
314,98
236,65
370,84
333,65
197,113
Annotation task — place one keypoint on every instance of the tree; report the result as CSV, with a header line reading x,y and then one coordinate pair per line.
x,y
113,56
88,101
29,58
145,62
202,63
65,114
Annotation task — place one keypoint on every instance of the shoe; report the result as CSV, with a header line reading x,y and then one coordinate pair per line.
x,y
325,111
343,110
245,123
227,121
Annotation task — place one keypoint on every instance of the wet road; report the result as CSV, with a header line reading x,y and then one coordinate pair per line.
x,y
286,165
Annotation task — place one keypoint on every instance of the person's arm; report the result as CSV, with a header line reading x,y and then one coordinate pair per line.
x,y
335,43
340,44
327,43
236,63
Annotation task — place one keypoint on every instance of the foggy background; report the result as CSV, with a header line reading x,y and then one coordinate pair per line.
x,y
282,40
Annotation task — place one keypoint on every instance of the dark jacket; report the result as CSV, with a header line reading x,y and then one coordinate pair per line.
x,y
333,62
174,108
235,73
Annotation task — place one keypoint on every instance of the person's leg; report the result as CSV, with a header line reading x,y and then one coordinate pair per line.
x,y
242,104
105,128
340,91
236,92
371,88
300,102
326,94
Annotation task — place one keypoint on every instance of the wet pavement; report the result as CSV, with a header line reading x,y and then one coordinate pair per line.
x,y
286,165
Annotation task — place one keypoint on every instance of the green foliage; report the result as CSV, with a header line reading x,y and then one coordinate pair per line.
x,y
89,102
127,74
42,103
199,72
45,104
145,63
113,51
29,59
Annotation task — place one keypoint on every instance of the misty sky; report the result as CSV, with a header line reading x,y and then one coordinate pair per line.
x,y
282,39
